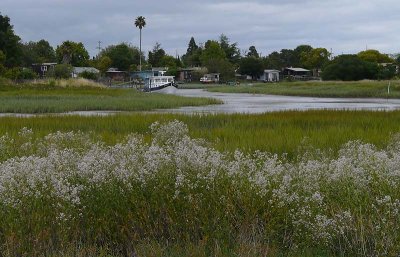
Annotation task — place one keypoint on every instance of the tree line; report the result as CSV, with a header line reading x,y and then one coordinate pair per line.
x,y
218,56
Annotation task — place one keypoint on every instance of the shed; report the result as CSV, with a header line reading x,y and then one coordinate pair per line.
x,y
116,75
270,76
296,72
43,68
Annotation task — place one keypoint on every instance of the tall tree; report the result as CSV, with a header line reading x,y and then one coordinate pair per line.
x,y
156,55
212,51
2,61
9,42
104,63
192,47
287,57
122,56
73,53
251,66
350,67
298,52
193,53
253,52
274,61
140,23
375,56
37,52
232,52
315,59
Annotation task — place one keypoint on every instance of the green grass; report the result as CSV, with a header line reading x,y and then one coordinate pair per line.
x,y
51,99
375,89
281,132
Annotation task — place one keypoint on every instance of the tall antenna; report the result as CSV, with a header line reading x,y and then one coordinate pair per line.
x,y
99,48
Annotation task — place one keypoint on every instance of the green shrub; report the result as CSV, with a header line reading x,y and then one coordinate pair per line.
x,y
350,68
89,75
20,73
61,71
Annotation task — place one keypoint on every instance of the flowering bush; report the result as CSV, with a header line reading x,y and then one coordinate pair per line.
x,y
68,188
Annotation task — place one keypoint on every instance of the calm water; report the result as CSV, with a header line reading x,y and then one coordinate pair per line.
x,y
253,103
256,103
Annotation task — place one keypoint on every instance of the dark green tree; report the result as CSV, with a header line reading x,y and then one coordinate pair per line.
x,y
287,57
122,56
192,47
193,53
212,51
232,52
398,59
2,62
253,52
73,53
221,66
350,67
374,56
315,59
103,64
9,43
37,52
156,55
274,61
251,66
298,52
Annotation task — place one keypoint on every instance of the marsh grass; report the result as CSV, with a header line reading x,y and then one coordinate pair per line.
x,y
85,96
69,194
280,132
367,89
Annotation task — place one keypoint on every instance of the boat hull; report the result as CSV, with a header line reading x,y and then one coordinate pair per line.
x,y
167,90
165,87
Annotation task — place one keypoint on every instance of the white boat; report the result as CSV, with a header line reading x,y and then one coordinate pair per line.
x,y
156,83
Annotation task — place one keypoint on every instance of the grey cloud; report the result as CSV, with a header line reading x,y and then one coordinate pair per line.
x,y
346,26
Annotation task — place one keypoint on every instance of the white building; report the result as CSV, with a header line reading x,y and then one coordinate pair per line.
x,y
270,76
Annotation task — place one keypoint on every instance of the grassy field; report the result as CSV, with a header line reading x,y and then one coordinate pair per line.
x,y
376,89
170,194
281,132
53,98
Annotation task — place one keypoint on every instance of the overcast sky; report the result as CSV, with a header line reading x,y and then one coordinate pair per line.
x,y
345,26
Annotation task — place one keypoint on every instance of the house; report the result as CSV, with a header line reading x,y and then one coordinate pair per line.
x,y
188,74
296,73
78,70
43,68
116,75
270,76
210,78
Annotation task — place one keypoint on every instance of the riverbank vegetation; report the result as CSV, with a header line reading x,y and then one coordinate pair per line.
x,y
280,132
175,195
56,96
359,89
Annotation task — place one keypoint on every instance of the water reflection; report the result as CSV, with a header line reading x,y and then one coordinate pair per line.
x,y
256,103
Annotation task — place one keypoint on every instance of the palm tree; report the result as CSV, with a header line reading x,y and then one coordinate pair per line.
x,y
140,23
